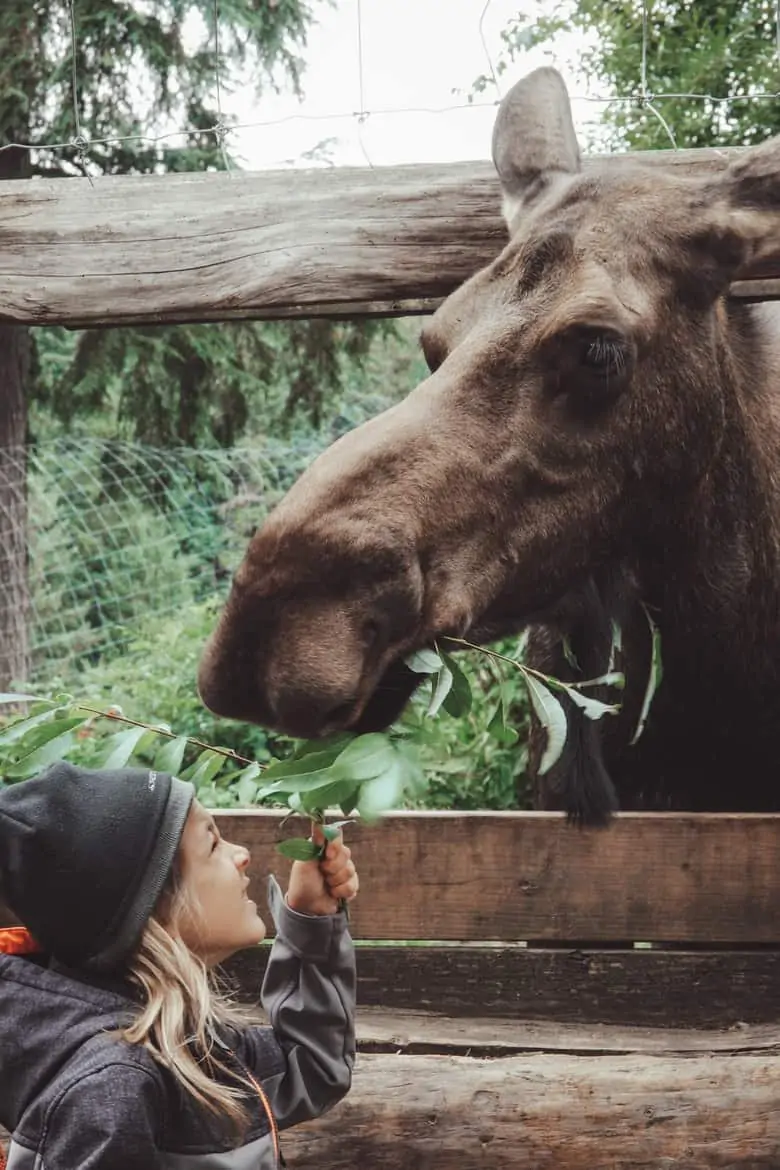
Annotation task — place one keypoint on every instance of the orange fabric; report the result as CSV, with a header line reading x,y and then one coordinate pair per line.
x,y
269,1112
17,940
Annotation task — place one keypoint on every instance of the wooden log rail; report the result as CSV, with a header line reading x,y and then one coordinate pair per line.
x,y
520,1037
523,1029
340,242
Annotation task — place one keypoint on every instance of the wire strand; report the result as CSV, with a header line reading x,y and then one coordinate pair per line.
x,y
644,98
220,130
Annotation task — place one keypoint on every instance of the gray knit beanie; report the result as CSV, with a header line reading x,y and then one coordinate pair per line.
x,y
84,856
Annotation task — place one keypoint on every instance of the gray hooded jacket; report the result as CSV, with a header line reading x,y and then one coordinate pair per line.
x,y
76,1098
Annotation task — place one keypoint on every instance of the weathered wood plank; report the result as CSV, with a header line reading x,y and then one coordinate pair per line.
x,y
562,1111
213,247
660,989
692,878
423,1033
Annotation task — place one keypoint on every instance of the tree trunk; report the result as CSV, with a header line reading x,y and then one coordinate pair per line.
x,y
14,586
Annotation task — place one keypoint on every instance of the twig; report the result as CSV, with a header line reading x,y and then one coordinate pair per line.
x,y
229,753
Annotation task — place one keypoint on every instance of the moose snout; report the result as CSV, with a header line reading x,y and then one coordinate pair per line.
x,y
306,674
308,712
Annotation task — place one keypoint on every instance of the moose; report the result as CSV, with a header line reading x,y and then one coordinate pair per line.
x,y
598,440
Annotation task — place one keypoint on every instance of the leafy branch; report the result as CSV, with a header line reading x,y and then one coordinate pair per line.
x,y
362,775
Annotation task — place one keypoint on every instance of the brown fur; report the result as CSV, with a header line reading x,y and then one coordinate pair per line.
x,y
522,483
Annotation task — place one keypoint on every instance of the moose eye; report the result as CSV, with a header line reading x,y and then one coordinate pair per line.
x,y
603,355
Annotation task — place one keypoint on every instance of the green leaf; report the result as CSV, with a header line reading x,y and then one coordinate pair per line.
x,y
246,792
552,717
616,645
296,804
208,765
654,677
442,685
39,735
319,799
331,831
303,782
297,849
332,744
367,756
498,727
382,793
246,784
613,678
593,708
522,644
303,765
348,804
569,654
121,747
423,661
459,699
414,780
50,752
170,756
11,697
20,727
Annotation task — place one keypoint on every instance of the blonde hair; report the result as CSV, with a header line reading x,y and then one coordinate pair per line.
x,y
184,1010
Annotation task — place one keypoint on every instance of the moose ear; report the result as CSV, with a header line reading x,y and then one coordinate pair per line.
x,y
747,195
752,181
534,144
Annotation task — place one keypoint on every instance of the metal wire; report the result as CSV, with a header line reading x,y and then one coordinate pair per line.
x,y
363,114
220,130
79,141
644,98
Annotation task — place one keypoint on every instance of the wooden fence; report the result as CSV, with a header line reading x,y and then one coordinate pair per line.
x,y
576,999
342,242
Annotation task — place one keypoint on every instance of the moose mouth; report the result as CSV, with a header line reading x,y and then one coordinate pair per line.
x,y
398,683
391,694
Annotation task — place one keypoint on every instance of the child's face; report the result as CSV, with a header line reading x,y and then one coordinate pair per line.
x,y
214,874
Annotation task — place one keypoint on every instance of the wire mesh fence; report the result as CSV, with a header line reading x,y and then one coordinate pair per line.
x,y
226,127
118,533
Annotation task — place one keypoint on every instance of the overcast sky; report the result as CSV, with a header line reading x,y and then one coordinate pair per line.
x,y
417,55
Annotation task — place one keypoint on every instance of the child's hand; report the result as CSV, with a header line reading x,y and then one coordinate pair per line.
x,y
317,887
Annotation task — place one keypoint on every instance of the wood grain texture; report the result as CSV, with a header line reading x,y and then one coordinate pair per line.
x,y
683,878
550,1112
661,989
380,1030
340,242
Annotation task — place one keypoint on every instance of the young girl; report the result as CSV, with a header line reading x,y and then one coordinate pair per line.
x,y
116,1052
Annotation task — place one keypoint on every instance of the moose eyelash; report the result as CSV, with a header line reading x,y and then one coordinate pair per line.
x,y
606,354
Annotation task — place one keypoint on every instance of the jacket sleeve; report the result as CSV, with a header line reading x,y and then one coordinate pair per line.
x,y
309,997
105,1121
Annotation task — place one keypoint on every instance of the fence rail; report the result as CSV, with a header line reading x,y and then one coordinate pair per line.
x,y
691,879
208,247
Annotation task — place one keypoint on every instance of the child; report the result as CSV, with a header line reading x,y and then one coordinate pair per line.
x,y
116,1052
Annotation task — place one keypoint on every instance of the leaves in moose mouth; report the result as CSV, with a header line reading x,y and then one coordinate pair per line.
x,y
425,661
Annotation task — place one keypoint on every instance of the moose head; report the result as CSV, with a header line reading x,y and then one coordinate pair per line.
x,y
581,394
